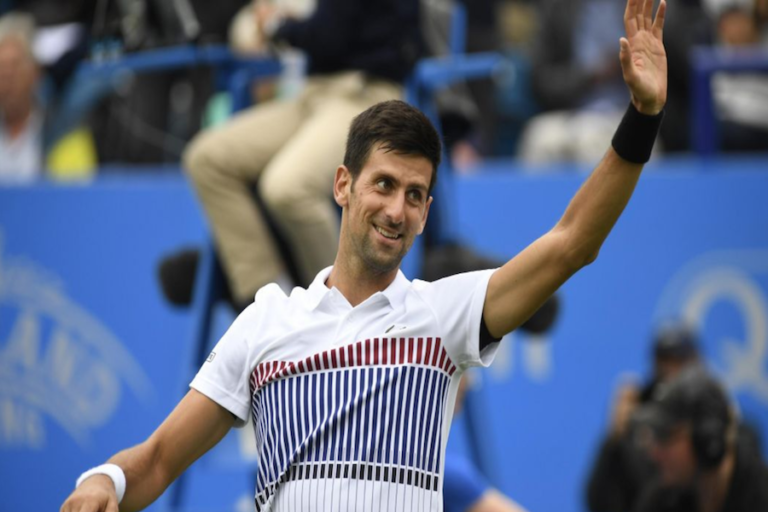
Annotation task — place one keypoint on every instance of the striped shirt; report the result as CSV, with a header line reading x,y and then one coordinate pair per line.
x,y
351,406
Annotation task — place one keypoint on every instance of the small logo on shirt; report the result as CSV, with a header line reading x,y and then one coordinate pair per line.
x,y
399,328
210,357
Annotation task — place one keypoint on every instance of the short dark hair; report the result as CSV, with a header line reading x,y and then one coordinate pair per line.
x,y
399,127
676,341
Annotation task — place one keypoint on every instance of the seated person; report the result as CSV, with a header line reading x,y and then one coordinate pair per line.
x,y
576,80
358,55
21,115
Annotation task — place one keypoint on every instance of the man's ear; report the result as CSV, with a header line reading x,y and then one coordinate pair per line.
x,y
425,215
342,186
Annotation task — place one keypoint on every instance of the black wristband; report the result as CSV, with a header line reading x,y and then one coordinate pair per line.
x,y
634,138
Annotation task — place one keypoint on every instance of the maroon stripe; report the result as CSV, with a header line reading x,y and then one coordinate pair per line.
x,y
437,349
375,351
420,352
447,364
384,350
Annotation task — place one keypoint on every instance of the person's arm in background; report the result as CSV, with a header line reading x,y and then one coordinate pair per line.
x,y
523,284
194,427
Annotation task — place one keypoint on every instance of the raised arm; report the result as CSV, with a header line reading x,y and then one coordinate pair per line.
x,y
522,285
194,427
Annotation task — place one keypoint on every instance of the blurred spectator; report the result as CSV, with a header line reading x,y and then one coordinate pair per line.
x,y
622,468
705,462
21,115
577,78
358,55
686,26
741,100
61,37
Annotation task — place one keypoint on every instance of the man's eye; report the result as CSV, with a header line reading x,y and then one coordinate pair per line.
x,y
415,195
383,184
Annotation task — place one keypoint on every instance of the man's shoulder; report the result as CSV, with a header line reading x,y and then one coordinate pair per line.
x,y
457,283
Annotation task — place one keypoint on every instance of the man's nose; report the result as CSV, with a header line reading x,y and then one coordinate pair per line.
x,y
395,209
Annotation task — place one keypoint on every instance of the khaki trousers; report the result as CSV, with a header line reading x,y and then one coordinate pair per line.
x,y
293,148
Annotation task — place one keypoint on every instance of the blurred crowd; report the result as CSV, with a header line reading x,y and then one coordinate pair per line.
x,y
557,97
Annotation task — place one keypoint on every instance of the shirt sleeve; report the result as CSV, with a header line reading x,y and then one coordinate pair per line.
x,y
457,302
224,376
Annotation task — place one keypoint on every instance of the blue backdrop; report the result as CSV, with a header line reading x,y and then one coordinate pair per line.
x,y
91,359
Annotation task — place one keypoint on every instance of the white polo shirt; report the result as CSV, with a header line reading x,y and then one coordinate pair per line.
x,y
351,407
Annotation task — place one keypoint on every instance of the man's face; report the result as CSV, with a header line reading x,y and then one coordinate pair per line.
x,y
675,457
18,73
387,206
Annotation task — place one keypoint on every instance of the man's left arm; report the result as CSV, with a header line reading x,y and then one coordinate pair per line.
x,y
524,283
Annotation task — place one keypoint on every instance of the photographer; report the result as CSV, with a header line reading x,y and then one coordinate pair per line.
x,y
706,461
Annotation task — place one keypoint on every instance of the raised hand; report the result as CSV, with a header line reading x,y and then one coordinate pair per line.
x,y
642,55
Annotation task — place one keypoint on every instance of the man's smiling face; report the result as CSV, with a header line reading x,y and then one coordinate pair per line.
x,y
387,205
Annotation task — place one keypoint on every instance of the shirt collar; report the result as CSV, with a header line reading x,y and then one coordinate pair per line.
x,y
394,293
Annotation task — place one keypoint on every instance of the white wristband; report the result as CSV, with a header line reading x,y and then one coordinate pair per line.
x,y
112,471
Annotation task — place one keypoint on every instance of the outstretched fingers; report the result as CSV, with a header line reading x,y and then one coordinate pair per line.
x,y
648,14
658,23
630,17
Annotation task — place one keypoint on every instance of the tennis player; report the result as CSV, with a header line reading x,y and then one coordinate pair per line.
x,y
351,382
